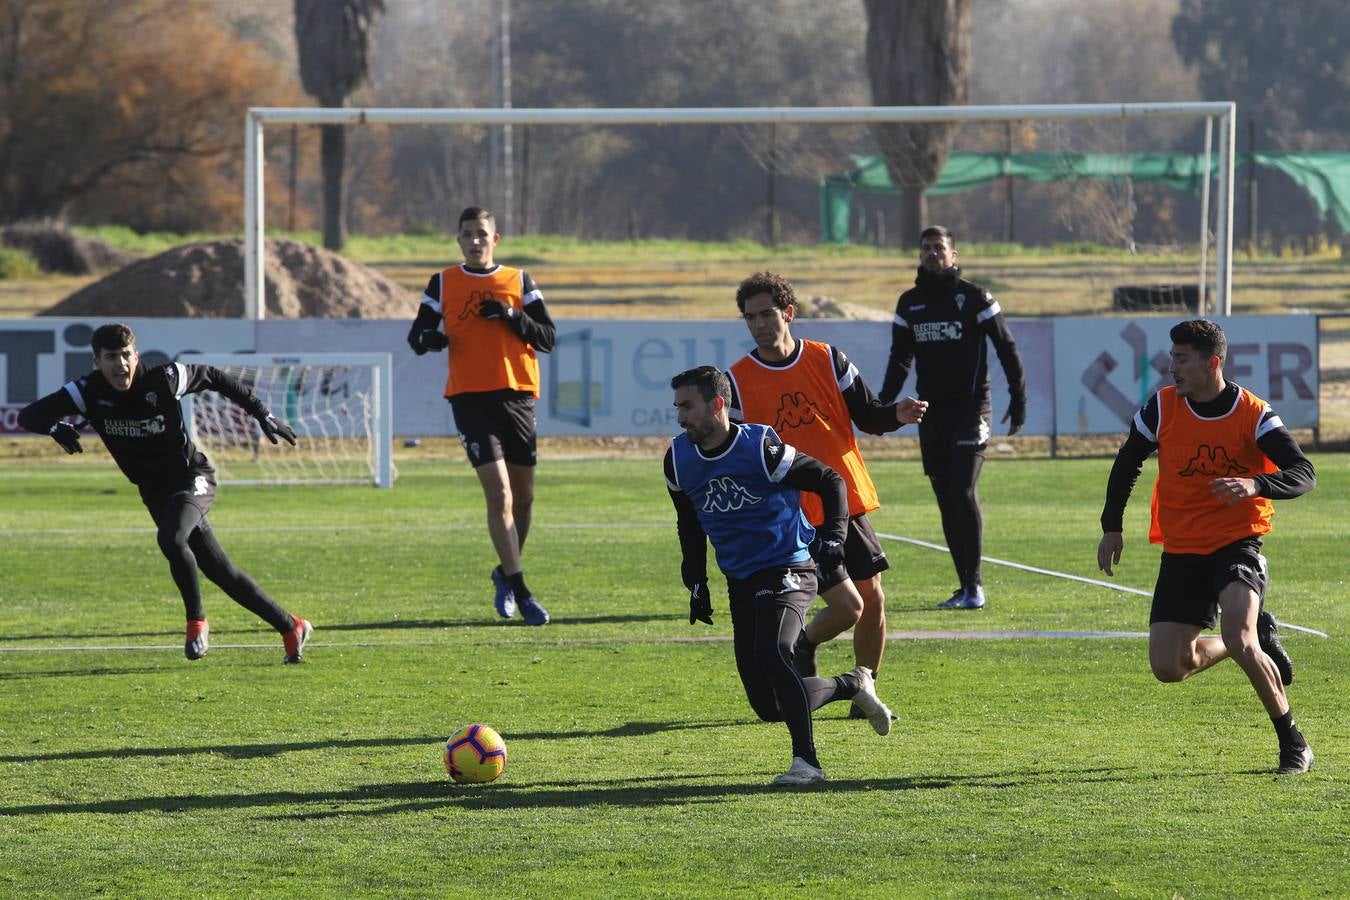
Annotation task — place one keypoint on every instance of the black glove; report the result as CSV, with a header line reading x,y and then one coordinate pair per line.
x,y
67,436
423,339
496,309
1017,414
700,604
828,554
272,429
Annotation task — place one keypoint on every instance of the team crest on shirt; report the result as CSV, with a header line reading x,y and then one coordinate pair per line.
x,y
792,581
1212,462
960,302
725,495
796,410
200,487
152,398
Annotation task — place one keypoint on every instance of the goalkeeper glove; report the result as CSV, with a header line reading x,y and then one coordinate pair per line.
x,y
272,429
496,309
67,436
828,554
700,604
1016,414
423,339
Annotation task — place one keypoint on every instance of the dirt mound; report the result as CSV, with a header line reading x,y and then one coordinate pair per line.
x,y
206,280
830,308
56,249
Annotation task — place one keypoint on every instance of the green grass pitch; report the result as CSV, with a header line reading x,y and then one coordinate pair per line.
x,y
1029,766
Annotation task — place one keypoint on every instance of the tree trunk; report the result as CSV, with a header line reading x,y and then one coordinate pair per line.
x,y
913,217
333,147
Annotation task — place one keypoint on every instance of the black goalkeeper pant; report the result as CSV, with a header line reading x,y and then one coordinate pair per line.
x,y
768,612
188,543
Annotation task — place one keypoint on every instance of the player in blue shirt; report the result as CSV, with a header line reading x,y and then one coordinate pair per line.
x,y
739,486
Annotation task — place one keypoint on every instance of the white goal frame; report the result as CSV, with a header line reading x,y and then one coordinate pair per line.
x,y
380,454
1225,112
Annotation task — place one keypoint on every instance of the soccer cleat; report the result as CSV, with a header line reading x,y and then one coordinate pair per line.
x,y
505,601
532,612
954,600
1295,760
855,712
867,700
294,641
195,645
965,598
1268,636
804,656
801,772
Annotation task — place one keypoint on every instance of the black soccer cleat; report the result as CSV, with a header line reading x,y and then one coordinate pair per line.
x,y
804,657
1268,636
1295,760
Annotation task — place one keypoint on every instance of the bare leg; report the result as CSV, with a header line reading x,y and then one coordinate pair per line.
x,y
1240,605
869,635
1176,651
843,606
521,479
501,520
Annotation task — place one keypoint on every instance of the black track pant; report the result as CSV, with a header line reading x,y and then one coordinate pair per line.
x,y
764,628
189,544
958,498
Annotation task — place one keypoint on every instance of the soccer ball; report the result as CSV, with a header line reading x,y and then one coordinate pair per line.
x,y
475,754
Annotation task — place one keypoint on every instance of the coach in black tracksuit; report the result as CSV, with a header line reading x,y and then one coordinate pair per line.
x,y
940,329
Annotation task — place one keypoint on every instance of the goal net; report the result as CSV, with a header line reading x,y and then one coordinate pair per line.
x,y
1122,207
340,405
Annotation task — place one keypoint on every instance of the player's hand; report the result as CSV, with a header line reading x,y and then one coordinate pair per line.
x,y
700,604
1017,414
1231,490
274,429
828,554
496,309
423,339
1108,551
909,411
67,435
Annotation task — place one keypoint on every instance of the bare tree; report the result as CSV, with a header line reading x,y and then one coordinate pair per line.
x,y
918,54
333,38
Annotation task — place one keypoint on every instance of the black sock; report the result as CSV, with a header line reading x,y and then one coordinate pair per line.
x,y
1287,731
812,759
518,585
846,685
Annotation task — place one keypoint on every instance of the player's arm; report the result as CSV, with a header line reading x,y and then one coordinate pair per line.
x,y
425,333
45,415
806,473
532,324
693,547
1129,462
864,408
993,324
1295,475
901,358
191,379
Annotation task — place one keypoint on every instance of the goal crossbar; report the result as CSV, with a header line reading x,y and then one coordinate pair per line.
x,y
1225,112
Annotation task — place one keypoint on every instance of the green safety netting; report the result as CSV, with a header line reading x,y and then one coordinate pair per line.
x,y
1325,176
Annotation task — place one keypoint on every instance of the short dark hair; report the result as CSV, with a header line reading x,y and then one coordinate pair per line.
x,y
113,336
771,283
939,231
473,213
1202,335
710,382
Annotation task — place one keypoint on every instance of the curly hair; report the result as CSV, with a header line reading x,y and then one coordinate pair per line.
x,y
771,283
1202,335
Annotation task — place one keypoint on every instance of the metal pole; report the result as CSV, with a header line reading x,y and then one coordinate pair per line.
x,y
1224,248
1251,186
1204,219
254,304
508,173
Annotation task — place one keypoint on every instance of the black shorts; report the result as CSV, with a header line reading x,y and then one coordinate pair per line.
x,y
863,556
793,586
1189,584
199,488
945,433
496,425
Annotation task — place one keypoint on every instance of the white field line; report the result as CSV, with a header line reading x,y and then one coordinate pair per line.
x,y
1066,576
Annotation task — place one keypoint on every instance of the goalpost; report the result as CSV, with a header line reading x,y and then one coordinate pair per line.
x,y
847,132
339,404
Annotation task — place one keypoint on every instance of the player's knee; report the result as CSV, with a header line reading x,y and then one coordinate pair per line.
x,y
1169,672
1245,650
172,542
766,708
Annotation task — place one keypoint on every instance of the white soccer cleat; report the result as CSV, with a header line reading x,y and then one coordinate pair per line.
x,y
867,700
801,772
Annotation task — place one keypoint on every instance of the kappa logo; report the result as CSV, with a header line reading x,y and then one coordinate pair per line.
x,y
796,410
1212,462
471,305
725,495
